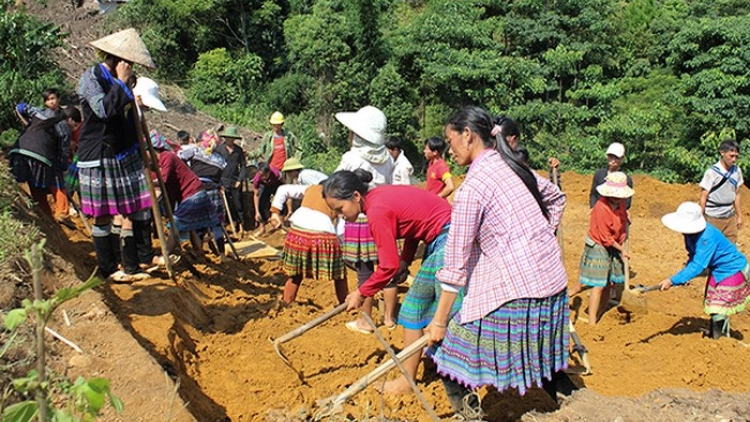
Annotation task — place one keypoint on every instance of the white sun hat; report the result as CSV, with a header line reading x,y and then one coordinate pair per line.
x,y
368,122
148,90
688,219
617,149
615,186
126,44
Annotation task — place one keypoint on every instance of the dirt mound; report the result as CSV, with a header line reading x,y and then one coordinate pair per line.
x,y
210,329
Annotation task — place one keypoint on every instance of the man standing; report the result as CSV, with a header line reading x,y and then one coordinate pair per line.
x,y
720,200
278,145
234,173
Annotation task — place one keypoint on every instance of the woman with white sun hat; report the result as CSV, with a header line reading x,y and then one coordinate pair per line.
x,y
727,287
367,134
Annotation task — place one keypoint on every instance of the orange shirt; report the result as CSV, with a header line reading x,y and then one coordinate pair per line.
x,y
607,225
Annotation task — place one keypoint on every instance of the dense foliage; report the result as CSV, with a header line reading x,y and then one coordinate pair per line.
x,y
26,67
664,77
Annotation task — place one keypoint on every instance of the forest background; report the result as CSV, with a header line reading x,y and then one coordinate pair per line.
x,y
667,78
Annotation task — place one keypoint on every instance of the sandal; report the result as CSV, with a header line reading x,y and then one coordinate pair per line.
x,y
352,325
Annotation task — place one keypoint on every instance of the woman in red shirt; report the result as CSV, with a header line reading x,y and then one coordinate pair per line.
x,y
193,209
423,217
601,262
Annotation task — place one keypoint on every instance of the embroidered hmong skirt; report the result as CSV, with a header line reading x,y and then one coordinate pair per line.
x,y
117,186
359,245
515,346
212,189
422,298
728,297
313,254
32,171
600,265
195,213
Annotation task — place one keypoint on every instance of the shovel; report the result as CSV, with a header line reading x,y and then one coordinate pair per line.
x,y
633,300
580,349
333,405
302,330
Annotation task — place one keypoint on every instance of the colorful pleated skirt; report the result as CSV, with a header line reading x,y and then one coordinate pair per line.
x,y
359,245
600,265
195,213
313,254
422,298
515,346
728,297
32,171
117,186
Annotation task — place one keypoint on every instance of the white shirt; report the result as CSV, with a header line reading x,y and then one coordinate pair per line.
x,y
382,174
720,203
402,171
309,177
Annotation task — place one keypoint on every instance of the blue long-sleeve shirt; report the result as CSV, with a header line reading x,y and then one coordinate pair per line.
x,y
710,249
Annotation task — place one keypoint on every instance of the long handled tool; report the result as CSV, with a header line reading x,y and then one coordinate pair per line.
x,y
154,203
302,330
559,231
633,300
229,212
579,348
231,243
332,405
401,368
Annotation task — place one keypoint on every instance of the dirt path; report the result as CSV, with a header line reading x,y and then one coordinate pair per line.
x,y
210,330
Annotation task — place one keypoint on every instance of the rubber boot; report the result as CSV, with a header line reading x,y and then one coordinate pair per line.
x,y
115,237
464,401
129,252
105,254
560,383
142,236
719,326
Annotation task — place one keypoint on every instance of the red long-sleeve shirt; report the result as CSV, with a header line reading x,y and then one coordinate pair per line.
x,y
180,181
607,225
401,212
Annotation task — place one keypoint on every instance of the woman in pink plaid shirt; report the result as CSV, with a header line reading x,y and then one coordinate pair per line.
x,y
512,329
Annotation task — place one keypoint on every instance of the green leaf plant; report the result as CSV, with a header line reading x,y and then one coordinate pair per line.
x,y
85,398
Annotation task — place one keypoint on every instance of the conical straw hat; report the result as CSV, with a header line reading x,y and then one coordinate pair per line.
x,y
127,45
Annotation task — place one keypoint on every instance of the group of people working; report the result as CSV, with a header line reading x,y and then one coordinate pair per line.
x,y
491,292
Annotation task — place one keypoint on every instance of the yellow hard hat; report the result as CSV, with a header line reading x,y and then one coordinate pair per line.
x,y
277,118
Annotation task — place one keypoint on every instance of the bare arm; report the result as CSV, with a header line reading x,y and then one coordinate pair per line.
x,y
704,199
448,189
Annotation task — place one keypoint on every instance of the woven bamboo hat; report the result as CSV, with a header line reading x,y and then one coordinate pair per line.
x,y
126,44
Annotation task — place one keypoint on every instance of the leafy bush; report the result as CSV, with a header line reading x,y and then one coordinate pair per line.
x,y
26,65
218,78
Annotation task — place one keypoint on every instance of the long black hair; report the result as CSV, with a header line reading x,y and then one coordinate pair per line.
x,y
343,183
480,122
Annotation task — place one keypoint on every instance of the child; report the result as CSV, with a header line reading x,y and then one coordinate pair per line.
x,y
265,183
601,261
311,247
727,288
439,180
615,155
403,170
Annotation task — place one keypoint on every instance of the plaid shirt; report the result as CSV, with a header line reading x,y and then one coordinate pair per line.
x,y
499,245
